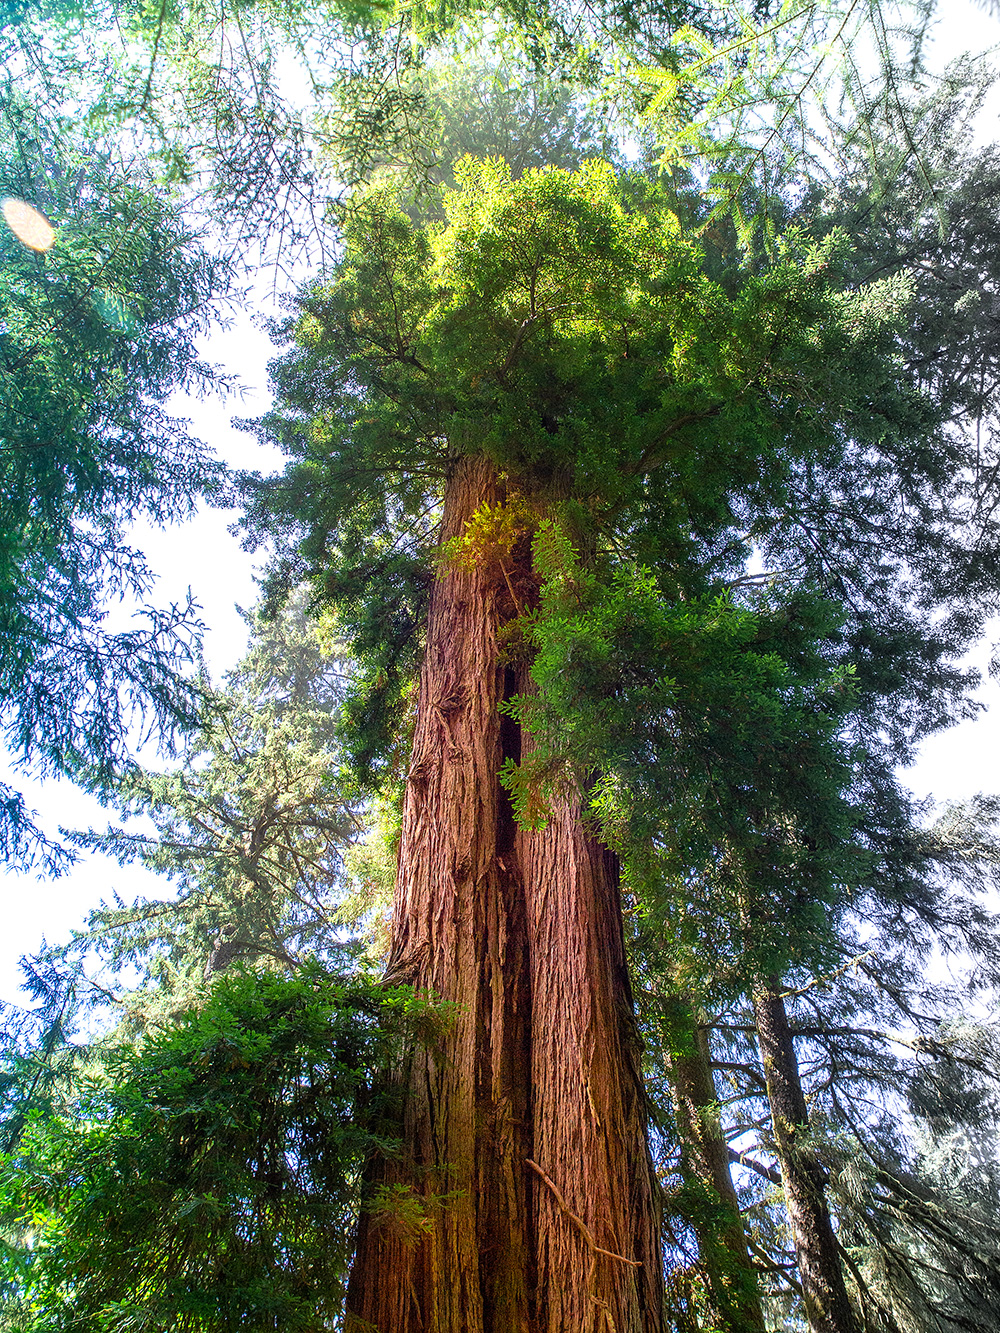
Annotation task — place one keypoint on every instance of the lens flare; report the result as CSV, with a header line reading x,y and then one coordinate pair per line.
x,y
31,228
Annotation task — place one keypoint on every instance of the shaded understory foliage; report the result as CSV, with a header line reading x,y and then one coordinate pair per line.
x,y
209,1177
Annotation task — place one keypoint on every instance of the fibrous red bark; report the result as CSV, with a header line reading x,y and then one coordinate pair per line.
x,y
529,1115
589,1123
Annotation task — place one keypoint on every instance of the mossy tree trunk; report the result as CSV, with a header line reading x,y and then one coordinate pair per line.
x,y
824,1293
708,1200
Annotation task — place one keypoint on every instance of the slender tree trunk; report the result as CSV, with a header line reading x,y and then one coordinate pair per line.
x,y
710,1204
529,1114
824,1292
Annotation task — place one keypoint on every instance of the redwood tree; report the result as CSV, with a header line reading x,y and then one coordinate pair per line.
x,y
530,450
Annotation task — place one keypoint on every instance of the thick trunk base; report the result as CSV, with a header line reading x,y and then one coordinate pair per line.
x,y
525,1128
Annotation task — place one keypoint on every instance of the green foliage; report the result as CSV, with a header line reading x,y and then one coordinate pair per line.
x,y
707,734
39,1057
370,867
922,1223
724,88
933,217
479,106
95,333
240,1124
252,830
197,89
210,1179
560,324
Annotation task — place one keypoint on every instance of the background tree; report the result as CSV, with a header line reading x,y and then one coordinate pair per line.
x,y
99,326
870,1037
252,828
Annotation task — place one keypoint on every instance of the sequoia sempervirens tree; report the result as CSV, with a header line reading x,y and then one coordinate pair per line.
x,y
530,449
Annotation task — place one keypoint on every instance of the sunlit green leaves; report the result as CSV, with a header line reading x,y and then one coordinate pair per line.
x,y
706,734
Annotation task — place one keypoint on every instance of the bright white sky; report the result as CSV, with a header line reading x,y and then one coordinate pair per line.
x,y
204,556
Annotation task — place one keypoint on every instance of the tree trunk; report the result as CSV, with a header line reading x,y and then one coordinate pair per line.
x,y
529,1113
709,1202
824,1293
595,1205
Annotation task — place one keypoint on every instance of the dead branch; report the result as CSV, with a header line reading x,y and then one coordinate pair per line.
x,y
578,1222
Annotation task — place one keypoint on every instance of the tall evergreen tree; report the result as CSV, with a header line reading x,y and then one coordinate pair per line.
x,y
871,1038
488,362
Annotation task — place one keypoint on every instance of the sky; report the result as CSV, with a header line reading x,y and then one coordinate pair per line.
x,y
204,556
201,555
